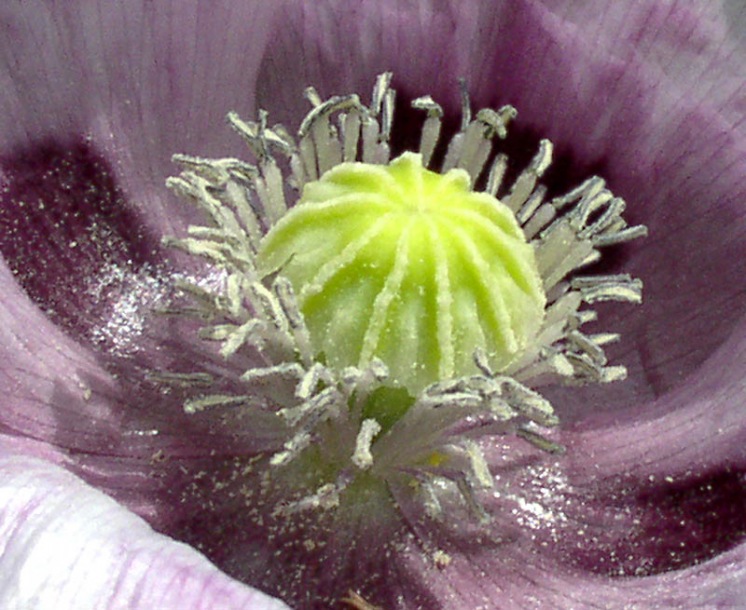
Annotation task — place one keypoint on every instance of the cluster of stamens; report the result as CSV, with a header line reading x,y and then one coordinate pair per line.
x,y
433,438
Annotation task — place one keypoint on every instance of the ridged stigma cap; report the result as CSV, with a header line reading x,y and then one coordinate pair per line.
x,y
403,264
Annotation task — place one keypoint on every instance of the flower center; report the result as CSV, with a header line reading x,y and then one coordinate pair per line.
x,y
393,317
400,263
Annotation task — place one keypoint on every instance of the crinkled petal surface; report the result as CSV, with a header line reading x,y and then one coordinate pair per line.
x,y
647,508
65,545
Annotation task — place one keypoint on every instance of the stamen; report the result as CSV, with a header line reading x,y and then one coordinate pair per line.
x,y
314,376
292,449
375,151
431,128
525,183
326,497
497,172
186,380
604,338
532,203
356,602
270,190
618,237
195,405
313,97
283,371
479,468
431,425
469,495
496,122
528,403
476,148
387,119
381,88
599,288
539,219
362,457
260,140
584,344
540,442
237,337
318,407
465,104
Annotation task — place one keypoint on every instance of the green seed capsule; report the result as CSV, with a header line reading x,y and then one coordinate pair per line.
x,y
403,264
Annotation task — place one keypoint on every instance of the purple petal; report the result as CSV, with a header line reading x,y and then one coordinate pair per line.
x,y
142,80
65,545
654,104
63,215
126,434
698,424
340,47
648,93
537,586
95,99
94,104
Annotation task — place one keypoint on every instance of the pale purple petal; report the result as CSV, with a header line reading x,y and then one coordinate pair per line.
x,y
97,98
115,429
65,545
142,80
696,426
650,94
719,583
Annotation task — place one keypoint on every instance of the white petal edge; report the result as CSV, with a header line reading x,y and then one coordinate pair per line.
x,y
65,545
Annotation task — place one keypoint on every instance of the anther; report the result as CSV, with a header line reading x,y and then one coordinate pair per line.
x,y
598,288
194,405
431,128
399,351
362,457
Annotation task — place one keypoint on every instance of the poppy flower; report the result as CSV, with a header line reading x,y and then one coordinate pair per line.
x,y
108,383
